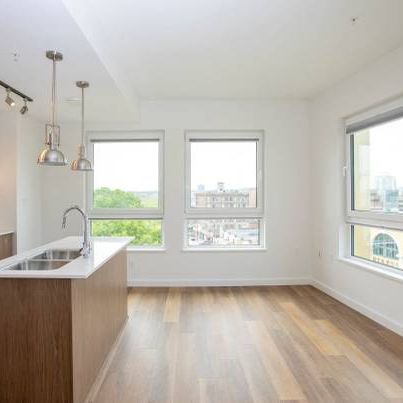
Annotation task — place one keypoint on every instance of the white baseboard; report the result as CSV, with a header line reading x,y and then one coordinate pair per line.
x,y
370,313
217,282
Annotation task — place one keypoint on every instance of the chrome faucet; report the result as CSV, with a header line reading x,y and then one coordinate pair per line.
x,y
86,249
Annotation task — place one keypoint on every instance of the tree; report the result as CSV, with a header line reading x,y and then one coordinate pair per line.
x,y
145,232
108,198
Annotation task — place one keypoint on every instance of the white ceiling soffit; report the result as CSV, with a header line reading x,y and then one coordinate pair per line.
x,y
29,28
237,48
83,13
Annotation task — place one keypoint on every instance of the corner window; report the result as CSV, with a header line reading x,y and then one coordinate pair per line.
x,y
224,190
125,191
375,188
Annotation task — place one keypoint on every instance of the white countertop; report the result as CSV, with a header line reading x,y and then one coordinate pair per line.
x,y
6,232
103,248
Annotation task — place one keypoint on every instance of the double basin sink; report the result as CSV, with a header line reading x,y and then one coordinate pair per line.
x,y
48,260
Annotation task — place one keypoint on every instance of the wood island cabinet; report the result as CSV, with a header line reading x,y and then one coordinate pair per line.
x,y
56,333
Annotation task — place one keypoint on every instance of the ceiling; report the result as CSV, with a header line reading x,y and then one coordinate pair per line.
x,y
211,49
29,28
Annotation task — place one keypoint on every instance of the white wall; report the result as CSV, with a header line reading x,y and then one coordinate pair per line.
x,y
21,138
61,188
8,155
288,224
374,295
29,184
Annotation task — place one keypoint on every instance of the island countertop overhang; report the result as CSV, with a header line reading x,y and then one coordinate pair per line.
x,y
103,249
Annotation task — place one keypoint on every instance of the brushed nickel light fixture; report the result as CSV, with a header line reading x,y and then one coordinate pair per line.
x,y
9,101
51,155
24,109
82,163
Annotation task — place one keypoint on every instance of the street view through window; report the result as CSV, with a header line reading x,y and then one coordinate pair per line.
x,y
223,232
377,187
378,168
223,177
126,177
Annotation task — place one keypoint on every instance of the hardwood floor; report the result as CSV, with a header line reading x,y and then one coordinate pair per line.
x,y
251,344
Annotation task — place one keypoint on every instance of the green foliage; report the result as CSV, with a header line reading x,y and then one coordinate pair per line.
x,y
146,232
108,198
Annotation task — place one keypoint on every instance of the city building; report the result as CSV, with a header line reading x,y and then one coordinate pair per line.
x,y
221,197
378,245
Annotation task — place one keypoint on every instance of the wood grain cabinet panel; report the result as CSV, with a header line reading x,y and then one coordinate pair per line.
x,y
56,333
6,245
99,310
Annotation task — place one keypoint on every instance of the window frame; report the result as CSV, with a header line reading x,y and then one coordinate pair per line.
x,y
138,213
194,213
235,135
128,214
260,246
382,220
368,262
143,247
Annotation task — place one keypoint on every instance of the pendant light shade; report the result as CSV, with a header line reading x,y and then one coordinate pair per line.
x,y
51,155
82,163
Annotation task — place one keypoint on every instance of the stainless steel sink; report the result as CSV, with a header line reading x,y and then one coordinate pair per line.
x,y
38,265
51,259
58,254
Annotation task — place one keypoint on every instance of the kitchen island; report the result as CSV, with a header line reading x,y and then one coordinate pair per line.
x,y
58,325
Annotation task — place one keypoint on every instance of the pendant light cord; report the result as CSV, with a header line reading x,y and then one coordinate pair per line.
x,y
82,117
54,93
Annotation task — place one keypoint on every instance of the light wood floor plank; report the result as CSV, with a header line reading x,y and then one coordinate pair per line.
x,y
308,326
384,383
172,306
277,371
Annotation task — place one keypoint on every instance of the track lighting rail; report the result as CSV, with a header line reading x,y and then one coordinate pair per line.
x,y
15,91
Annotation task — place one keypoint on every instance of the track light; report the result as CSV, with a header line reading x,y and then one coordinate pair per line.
x,y
9,101
24,109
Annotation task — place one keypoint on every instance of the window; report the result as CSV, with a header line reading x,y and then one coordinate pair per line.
x,y
377,245
223,232
378,168
125,192
145,232
224,190
375,187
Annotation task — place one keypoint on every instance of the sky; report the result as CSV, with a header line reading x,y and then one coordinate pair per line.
x,y
386,151
130,166
233,163
133,166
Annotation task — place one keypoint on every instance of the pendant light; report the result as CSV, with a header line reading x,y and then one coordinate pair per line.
x,y
51,155
82,163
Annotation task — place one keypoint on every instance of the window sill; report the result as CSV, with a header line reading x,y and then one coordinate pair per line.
x,y
228,250
386,272
131,249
